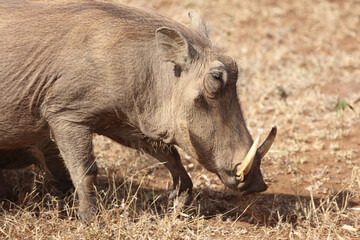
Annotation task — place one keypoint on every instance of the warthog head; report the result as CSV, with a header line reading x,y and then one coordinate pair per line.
x,y
206,115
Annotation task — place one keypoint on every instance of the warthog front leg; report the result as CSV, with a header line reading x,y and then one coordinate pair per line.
x,y
75,144
165,154
181,180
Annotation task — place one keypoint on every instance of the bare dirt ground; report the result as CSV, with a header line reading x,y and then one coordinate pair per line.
x,y
299,61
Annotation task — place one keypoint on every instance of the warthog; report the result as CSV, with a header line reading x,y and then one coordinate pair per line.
x,y
70,70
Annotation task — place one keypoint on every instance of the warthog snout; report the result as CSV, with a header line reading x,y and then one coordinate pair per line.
x,y
248,173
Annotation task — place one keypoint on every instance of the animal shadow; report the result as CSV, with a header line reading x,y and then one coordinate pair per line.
x,y
270,208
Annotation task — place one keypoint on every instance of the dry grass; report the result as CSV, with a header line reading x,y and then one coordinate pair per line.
x,y
298,59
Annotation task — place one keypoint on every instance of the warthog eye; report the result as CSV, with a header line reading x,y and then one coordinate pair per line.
x,y
217,76
213,82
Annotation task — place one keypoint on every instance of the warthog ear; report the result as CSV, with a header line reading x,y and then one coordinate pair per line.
x,y
173,47
198,24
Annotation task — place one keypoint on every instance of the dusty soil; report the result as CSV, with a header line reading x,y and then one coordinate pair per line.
x,y
298,60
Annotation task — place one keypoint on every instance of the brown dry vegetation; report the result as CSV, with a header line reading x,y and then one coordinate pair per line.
x,y
298,59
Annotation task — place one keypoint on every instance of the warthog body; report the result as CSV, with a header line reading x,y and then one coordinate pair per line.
x,y
70,70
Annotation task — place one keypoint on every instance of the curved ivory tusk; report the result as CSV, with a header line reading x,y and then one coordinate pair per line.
x,y
264,148
245,166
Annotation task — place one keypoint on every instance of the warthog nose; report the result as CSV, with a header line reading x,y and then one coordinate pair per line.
x,y
257,186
